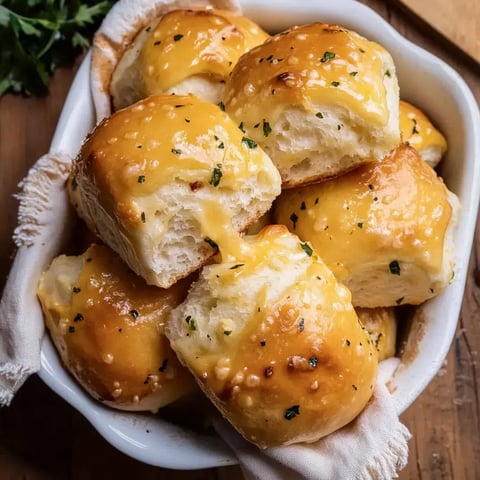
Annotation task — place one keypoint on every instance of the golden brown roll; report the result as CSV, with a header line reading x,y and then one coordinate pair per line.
x,y
125,20
418,131
384,229
274,341
381,325
320,100
184,51
167,180
108,327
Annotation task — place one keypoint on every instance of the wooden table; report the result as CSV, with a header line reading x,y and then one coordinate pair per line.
x,y
41,437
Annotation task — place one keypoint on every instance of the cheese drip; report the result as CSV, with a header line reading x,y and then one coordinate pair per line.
x,y
195,42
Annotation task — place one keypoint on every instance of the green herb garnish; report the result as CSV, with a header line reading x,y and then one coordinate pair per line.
x,y
394,267
267,129
292,412
327,56
249,142
191,323
306,248
238,265
38,36
216,175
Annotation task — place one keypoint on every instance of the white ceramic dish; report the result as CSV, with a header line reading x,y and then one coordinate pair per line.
x,y
425,81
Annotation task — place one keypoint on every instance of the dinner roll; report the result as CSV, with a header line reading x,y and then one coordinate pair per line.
x,y
273,340
185,51
417,130
117,32
384,229
107,325
319,99
381,325
167,181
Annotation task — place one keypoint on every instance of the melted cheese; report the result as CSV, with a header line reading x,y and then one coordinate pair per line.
x,y
308,65
172,139
304,346
393,210
111,327
417,130
195,42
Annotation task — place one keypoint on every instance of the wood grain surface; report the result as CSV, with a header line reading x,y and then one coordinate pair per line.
x,y
458,20
43,438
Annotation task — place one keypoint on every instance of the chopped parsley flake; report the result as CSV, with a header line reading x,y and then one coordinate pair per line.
x,y
142,216
362,50
398,301
327,56
227,332
306,248
249,142
176,151
211,243
191,323
335,84
316,201
71,329
347,341
222,106
319,115
267,129
354,387
241,127
238,265
301,325
313,361
78,317
370,186
388,74
303,206
360,224
134,314
177,37
353,74
158,42
141,179
216,175
75,290
394,267
221,146
263,343
292,412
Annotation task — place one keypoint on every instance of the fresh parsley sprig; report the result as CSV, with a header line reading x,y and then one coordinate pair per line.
x,y
37,36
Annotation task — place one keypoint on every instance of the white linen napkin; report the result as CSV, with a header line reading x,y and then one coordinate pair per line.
x,y
372,447
43,220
